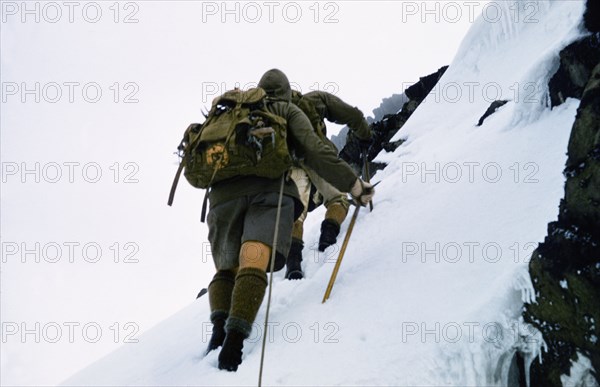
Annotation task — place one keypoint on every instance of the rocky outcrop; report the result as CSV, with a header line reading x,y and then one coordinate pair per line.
x,y
576,64
491,110
591,17
565,268
385,129
388,106
578,59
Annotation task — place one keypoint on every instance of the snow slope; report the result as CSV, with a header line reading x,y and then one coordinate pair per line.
x,y
432,284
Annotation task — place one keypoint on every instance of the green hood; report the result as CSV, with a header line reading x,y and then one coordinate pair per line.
x,y
276,84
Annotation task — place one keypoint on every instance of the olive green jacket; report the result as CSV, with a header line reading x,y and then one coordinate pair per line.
x,y
335,110
306,144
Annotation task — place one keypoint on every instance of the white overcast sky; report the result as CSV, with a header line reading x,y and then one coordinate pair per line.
x,y
362,50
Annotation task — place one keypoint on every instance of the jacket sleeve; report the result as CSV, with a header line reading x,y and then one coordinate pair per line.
x,y
317,155
338,111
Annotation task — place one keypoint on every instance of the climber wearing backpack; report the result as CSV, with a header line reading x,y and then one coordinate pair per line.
x,y
243,207
318,106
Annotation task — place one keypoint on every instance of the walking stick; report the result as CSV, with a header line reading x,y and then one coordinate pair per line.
x,y
338,263
336,268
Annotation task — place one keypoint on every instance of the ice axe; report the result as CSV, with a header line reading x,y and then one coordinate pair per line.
x,y
366,173
336,268
338,263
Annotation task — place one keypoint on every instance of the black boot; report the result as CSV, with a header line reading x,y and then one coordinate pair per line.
x,y
218,333
219,298
248,293
231,353
294,261
330,229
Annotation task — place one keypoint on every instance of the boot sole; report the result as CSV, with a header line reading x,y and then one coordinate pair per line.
x,y
295,275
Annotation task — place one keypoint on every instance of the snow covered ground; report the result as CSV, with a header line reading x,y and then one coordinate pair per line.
x,y
432,284
431,288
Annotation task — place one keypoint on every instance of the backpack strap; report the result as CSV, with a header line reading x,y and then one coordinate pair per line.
x,y
204,205
175,182
181,163
174,187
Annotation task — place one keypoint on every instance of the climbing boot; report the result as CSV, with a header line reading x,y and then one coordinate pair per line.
x,y
330,229
294,261
218,331
231,353
248,293
220,292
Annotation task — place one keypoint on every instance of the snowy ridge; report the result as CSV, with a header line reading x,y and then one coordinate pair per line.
x,y
431,288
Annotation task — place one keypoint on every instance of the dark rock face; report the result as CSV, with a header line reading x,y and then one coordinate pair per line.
x,y
421,89
591,17
386,128
565,268
576,64
491,110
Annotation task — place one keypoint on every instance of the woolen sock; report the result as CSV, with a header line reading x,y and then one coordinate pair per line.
x,y
248,293
220,291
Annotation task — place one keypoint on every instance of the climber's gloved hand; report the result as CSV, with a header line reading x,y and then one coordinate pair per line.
x,y
362,192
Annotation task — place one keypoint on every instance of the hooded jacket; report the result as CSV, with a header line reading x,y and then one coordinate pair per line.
x,y
276,84
302,140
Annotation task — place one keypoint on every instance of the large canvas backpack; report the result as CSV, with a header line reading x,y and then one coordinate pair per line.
x,y
239,137
310,110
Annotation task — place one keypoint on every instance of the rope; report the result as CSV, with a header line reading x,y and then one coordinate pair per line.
x,y
272,268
